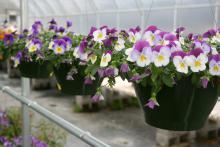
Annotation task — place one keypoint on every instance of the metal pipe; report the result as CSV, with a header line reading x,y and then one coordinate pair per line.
x,y
72,129
25,83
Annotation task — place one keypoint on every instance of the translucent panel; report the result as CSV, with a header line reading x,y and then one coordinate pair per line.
x,y
196,20
108,19
196,15
128,4
194,2
164,21
218,21
105,4
6,5
158,3
129,19
85,5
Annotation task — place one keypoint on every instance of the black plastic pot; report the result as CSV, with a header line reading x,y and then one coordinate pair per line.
x,y
76,86
182,107
36,70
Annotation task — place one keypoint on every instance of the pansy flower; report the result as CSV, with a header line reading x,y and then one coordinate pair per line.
x,y
152,103
124,68
69,24
17,59
34,45
214,65
8,39
120,44
59,46
152,35
106,58
99,35
80,55
36,28
141,53
216,38
79,51
68,42
197,60
134,34
111,72
180,61
97,97
203,45
161,56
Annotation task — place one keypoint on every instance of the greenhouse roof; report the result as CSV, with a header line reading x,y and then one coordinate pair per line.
x,y
122,13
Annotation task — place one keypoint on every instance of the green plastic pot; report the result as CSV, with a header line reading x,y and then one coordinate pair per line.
x,y
182,107
76,86
34,69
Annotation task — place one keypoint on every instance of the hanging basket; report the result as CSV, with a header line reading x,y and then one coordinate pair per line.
x,y
37,70
182,107
75,86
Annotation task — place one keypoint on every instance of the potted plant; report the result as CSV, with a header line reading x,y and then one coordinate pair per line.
x,y
31,56
174,77
90,59
68,70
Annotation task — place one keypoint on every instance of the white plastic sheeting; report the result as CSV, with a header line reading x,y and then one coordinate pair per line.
x,y
196,15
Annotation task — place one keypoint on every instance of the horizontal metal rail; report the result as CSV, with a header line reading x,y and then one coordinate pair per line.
x,y
72,129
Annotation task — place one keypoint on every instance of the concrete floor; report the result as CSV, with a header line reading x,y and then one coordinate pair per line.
x,y
124,128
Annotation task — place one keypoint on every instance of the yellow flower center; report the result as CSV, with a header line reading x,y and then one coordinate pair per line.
x,y
59,49
104,59
32,48
200,38
133,39
100,35
218,36
197,64
143,58
152,37
182,65
160,57
216,68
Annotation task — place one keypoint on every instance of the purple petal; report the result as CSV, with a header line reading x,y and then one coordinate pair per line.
x,y
140,45
151,28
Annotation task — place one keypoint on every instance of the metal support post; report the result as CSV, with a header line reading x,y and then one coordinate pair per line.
x,y
25,83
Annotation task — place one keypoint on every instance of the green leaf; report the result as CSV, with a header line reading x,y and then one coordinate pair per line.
x,y
167,80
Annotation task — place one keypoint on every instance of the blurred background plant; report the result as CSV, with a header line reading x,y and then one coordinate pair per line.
x,y
45,134
50,133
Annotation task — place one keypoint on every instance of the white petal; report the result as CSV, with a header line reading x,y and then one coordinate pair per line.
x,y
177,60
190,60
203,58
143,60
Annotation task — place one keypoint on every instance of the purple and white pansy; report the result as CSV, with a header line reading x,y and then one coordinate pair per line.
x,y
214,65
59,46
34,45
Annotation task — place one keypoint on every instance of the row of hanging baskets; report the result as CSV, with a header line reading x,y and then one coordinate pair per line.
x,y
175,75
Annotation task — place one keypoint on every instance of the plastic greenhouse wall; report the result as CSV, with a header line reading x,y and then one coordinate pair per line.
x,y
195,15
